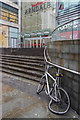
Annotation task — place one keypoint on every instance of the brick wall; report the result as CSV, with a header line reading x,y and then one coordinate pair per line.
x,y
66,53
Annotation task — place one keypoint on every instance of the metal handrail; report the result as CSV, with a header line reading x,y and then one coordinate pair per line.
x,y
57,66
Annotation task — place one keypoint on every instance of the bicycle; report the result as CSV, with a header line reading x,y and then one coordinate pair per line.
x,y
59,98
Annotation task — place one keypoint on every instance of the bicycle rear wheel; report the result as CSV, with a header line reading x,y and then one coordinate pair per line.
x,y
62,105
41,85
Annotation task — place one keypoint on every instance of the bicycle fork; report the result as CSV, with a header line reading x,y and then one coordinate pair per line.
x,y
48,91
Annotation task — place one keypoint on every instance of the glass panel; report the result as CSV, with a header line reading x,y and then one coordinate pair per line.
x,y
76,27
64,32
13,33
4,14
8,16
15,43
9,8
79,28
12,42
13,17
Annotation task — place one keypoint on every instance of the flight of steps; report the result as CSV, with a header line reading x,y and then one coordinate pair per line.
x,y
23,67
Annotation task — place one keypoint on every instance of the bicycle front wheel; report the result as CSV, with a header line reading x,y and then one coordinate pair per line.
x,y
62,105
41,85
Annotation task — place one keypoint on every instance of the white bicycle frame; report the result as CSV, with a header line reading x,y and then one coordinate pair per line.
x,y
55,85
56,94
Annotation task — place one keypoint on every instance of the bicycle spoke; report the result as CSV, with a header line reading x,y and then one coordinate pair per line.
x,y
62,105
60,102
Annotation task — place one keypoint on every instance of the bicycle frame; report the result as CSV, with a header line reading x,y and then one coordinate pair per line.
x,y
54,91
55,85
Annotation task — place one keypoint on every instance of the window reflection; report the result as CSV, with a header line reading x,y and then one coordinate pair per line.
x,y
8,13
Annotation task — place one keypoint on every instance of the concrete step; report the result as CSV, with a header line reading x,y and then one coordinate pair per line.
x,y
39,65
29,67
20,76
24,57
22,70
22,51
23,67
25,60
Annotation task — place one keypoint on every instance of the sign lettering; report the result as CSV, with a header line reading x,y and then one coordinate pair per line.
x,y
38,6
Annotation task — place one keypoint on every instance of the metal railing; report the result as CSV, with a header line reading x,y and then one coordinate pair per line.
x,y
36,42
55,65
61,33
67,31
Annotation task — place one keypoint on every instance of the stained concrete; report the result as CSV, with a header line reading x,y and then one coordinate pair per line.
x,y
19,100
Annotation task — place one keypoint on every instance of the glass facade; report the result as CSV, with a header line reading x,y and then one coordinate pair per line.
x,y
8,13
68,31
71,10
69,3
13,37
8,35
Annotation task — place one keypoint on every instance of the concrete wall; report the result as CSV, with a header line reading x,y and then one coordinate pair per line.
x,y
22,51
66,53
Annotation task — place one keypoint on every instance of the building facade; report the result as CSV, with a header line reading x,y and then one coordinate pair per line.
x,y
67,20
38,21
38,15
9,23
67,10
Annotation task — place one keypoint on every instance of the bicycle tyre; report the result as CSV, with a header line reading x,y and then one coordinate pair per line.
x,y
59,105
41,85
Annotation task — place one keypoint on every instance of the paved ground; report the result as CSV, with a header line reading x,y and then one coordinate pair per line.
x,y
19,100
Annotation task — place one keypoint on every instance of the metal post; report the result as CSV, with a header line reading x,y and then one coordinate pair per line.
x,y
30,43
27,43
33,43
24,41
43,41
40,41
36,43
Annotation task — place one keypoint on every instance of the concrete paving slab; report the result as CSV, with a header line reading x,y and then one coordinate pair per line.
x,y
19,100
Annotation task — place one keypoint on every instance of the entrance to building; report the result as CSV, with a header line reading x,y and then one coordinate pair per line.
x,y
13,42
36,42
